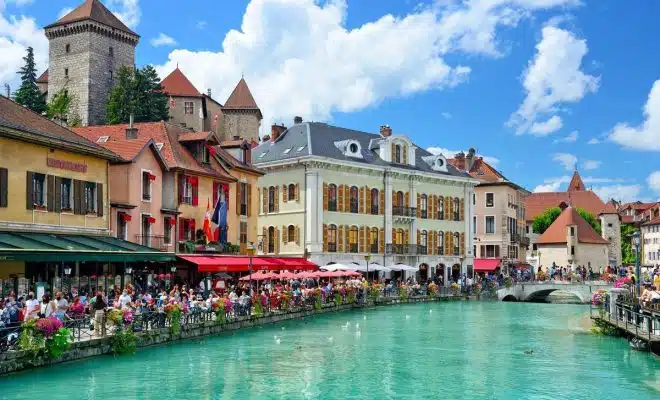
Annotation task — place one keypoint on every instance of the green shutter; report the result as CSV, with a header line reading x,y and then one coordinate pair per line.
x,y
77,197
4,187
99,199
58,194
50,192
29,198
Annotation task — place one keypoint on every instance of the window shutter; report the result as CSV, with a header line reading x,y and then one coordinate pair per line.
x,y
77,197
347,198
297,192
497,251
238,198
367,205
99,199
297,235
285,234
285,193
180,179
448,236
404,150
50,192
393,152
277,240
249,200
361,200
419,205
431,206
29,198
394,199
340,239
362,239
447,202
462,238
381,241
277,198
195,193
325,197
325,236
406,200
381,207
394,237
215,193
4,187
57,194
419,237
406,237
434,242
182,231
264,246
264,200
340,198
462,211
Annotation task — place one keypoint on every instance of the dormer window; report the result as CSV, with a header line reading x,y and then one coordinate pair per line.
x,y
350,148
436,162
397,153
353,148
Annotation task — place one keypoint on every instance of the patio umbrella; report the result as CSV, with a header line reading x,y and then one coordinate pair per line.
x,y
286,275
402,267
304,275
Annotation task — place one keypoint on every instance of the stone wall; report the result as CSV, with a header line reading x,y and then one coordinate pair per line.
x,y
241,123
611,230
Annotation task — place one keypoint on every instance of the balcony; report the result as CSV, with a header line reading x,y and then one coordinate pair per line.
x,y
441,251
401,211
374,248
404,249
158,242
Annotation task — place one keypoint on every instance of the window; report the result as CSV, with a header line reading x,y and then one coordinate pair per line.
x,y
572,250
490,251
332,197
353,239
609,225
457,209
354,199
66,72
243,233
4,187
187,190
244,193
67,48
187,229
441,209
188,107
474,224
206,154
441,243
490,225
122,226
39,189
399,199
332,238
457,244
291,233
398,238
271,240
66,195
146,230
375,201
490,199
423,205
90,197
146,186
474,199
397,154
111,51
423,242
271,199
353,148
111,74
572,231
292,192
167,230
373,240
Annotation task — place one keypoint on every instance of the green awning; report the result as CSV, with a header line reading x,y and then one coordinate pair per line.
x,y
50,247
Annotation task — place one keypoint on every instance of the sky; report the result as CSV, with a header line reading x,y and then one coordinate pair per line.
x,y
538,87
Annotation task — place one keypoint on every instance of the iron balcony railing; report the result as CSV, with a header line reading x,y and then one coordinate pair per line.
x,y
403,211
407,249
159,242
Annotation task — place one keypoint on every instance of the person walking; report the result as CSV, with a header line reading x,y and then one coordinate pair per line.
x,y
99,314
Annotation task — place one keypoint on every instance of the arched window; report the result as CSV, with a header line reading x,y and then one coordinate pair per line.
x,y
355,202
399,236
397,153
291,233
398,208
423,204
375,201
292,192
373,240
353,239
441,209
332,197
441,243
332,238
271,199
457,244
457,204
271,240
423,242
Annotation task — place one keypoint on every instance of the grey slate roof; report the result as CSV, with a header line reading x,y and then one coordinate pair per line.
x,y
318,139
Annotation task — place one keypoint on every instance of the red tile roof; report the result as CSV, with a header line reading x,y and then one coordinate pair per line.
x,y
196,136
177,84
654,221
241,98
627,219
480,170
537,203
93,10
43,78
610,208
557,232
576,184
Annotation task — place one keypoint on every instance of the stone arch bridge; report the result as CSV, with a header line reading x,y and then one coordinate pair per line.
x,y
531,291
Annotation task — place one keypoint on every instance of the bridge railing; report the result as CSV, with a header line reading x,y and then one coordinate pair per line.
x,y
642,323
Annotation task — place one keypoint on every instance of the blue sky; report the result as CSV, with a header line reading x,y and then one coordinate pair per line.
x,y
529,83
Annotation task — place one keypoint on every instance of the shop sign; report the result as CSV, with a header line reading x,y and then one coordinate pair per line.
x,y
68,165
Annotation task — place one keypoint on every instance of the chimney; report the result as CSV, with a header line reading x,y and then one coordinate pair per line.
x,y
385,131
276,131
208,92
460,160
469,158
297,120
131,131
265,138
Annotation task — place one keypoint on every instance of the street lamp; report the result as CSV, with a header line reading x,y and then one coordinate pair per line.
x,y
250,250
173,268
67,271
636,241
367,258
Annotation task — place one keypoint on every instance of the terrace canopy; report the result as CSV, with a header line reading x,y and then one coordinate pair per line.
x,y
220,263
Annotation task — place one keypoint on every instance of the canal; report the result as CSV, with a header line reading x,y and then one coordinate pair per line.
x,y
447,350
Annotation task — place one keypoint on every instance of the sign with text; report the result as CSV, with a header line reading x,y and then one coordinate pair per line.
x,y
68,165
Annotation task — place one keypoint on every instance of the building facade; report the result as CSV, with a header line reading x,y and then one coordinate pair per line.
x,y
339,195
650,243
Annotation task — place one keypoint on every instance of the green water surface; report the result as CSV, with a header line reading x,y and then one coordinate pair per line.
x,y
454,350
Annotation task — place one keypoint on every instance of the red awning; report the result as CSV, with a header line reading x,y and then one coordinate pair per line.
x,y
486,264
213,263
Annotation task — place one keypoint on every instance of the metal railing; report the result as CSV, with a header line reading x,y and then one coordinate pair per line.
x,y
153,241
644,324
391,248
403,211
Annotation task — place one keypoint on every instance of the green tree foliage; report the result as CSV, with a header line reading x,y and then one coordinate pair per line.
x,y
627,253
29,94
543,221
138,92
62,108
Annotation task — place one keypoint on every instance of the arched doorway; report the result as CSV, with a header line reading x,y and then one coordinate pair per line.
x,y
423,273
455,272
439,274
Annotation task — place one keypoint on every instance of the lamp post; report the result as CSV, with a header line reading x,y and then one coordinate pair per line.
x,y
367,258
250,250
636,239
128,270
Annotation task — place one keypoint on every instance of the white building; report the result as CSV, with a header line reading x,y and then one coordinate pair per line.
x,y
340,194
651,242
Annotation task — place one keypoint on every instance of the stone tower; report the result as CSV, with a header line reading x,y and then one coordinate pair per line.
x,y
242,115
610,225
86,49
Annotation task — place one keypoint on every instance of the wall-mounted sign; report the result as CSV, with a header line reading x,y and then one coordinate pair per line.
x,y
68,165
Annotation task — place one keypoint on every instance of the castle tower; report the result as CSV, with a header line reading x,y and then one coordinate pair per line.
x,y
576,184
242,115
610,226
86,49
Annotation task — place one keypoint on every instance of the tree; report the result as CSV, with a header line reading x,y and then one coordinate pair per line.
x,y
29,94
62,108
543,221
627,252
138,92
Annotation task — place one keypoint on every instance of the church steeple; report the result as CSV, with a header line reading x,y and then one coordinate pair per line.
x,y
576,184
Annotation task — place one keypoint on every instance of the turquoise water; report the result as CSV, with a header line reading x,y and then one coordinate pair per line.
x,y
455,350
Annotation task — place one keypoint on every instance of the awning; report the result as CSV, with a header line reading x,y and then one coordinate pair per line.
x,y
486,264
220,263
51,247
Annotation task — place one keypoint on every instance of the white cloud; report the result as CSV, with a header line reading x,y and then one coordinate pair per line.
x,y
451,153
128,11
593,141
553,124
342,69
570,138
568,161
591,164
623,193
446,115
645,136
64,12
163,40
654,181
553,78
552,184
201,24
